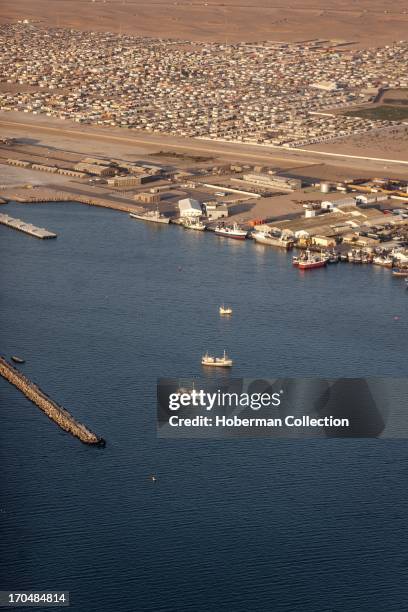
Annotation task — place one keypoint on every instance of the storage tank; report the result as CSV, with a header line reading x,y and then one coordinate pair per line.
x,y
325,187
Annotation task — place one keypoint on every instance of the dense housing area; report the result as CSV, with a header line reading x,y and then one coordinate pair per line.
x,y
269,93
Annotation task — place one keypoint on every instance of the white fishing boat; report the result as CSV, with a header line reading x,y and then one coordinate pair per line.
x,y
354,256
282,242
217,362
386,262
194,224
230,231
225,310
155,216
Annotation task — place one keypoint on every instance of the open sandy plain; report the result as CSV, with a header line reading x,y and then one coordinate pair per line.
x,y
392,144
365,22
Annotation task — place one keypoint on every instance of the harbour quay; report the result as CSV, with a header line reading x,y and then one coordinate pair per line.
x,y
26,228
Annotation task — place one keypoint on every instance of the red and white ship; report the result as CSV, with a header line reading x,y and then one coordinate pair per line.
x,y
231,231
309,262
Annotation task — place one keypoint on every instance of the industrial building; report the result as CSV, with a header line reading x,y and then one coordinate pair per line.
x,y
130,180
96,161
148,198
190,208
273,181
96,169
73,173
44,168
19,163
214,210
152,169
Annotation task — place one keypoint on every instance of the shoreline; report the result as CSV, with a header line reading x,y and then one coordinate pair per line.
x,y
341,252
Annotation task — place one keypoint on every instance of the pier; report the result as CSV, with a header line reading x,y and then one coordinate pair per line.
x,y
26,228
56,413
41,195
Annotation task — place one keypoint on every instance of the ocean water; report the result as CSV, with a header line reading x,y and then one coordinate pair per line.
x,y
230,525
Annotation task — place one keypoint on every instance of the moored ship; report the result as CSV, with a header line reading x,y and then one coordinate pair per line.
x,y
400,271
194,224
270,239
310,262
386,262
152,215
231,231
17,359
354,257
333,257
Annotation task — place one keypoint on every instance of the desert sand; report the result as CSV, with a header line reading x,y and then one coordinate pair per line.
x,y
365,22
390,144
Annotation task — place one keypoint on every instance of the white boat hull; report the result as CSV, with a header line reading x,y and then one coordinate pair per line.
x,y
152,219
236,235
217,364
198,228
271,241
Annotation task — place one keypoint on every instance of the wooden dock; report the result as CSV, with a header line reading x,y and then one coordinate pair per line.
x,y
26,228
56,413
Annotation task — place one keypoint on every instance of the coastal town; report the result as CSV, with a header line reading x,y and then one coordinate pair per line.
x,y
280,94
204,245
354,220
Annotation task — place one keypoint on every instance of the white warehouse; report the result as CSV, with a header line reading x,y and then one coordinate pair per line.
x,y
190,208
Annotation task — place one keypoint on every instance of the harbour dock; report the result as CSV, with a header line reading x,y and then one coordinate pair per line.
x,y
353,234
26,228
56,413
40,195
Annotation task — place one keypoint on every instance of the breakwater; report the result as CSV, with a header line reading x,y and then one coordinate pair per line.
x,y
56,413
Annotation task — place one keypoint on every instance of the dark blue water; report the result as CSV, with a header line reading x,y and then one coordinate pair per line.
x,y
235,525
